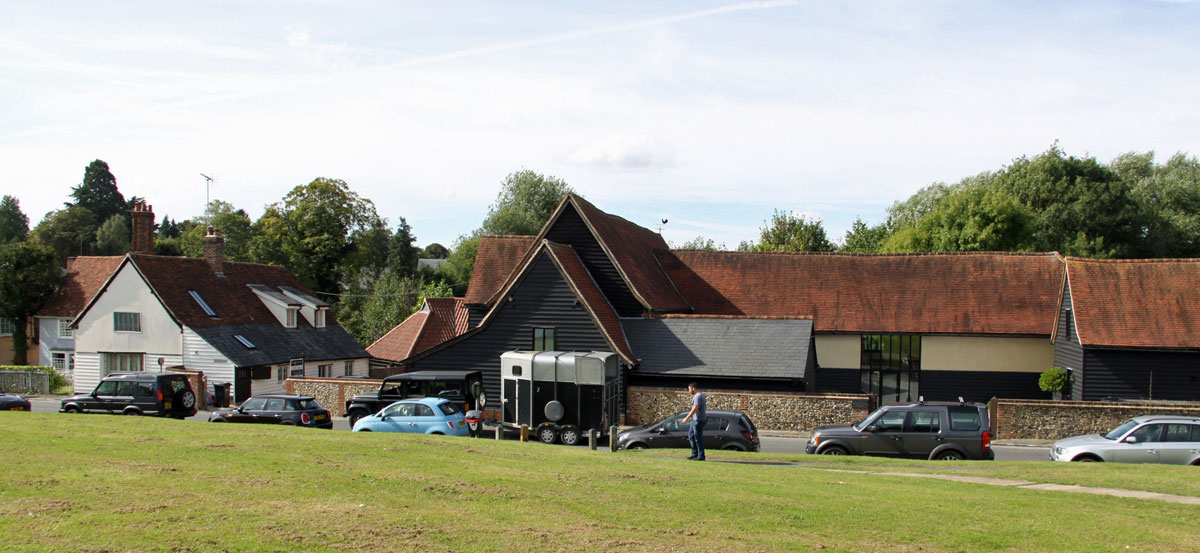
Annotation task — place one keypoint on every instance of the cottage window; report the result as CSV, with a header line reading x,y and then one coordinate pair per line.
x,y
64,329
281,373
291,317
127,322
297,367
349,368
120,363
324,371
319,318
59,362
6,327
543,339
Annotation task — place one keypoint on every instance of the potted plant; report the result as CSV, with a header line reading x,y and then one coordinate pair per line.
x,y
1053,380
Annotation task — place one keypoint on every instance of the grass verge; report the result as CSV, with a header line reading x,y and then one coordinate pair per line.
x,y
98,483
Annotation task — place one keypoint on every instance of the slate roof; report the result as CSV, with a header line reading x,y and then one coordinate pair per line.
x,y
238,310
497,258
724,347
85,275
438,320
1139,303
991,293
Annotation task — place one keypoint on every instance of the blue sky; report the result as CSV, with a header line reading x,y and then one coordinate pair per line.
x,y
709,114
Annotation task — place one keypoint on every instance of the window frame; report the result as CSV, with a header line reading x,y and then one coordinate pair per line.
x,y
349,368
7,323
130,319
544,338
64,329
325,371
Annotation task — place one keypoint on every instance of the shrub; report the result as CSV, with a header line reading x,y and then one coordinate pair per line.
x,y
1053,380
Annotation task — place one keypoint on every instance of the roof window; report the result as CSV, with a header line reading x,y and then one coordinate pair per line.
x,y
203,305
244,341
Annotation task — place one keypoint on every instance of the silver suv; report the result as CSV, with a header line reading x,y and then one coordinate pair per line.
x,y
923,430
1166,439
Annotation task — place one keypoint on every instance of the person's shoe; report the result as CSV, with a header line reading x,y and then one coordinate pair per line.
x,y
692,458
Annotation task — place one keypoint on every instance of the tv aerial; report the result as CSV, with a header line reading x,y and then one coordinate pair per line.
x,y
208,184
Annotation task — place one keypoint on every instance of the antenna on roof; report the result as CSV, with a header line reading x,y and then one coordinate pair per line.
x,y
208,183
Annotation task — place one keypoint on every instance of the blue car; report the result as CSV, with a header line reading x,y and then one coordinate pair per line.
x,y
430,415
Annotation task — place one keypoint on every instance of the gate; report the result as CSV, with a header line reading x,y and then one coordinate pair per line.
x,y
25,382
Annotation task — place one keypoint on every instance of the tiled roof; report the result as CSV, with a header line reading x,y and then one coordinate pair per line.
x,y
438,320
969,293
498,256
85,276
724,347
1144,303
591,297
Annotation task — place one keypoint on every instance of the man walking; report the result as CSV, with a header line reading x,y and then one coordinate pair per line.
x,y
699,416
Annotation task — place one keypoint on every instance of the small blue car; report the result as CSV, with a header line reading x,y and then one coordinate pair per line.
x,y
430,415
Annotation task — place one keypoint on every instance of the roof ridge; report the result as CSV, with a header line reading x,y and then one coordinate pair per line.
x,y
1136,260
895,254
740,317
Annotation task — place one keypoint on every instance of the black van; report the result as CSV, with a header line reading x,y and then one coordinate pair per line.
x,y
155,394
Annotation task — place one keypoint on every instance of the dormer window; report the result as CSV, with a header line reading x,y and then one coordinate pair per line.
x,y
319,318
291,317
203,305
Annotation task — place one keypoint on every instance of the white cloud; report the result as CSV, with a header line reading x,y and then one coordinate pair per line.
x,y
625,151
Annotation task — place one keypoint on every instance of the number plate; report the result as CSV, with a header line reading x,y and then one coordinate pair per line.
x,y
16,408
319,417
166,405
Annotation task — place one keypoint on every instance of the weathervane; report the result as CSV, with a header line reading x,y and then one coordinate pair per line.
x,y
208,182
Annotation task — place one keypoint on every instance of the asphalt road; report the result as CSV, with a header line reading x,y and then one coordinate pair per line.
x,y
771,444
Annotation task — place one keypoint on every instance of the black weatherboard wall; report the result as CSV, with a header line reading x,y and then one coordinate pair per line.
x,y
570,229
1068,353
542,299
1141,374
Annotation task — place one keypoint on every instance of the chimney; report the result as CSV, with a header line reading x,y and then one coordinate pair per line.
x,y
141,223
214,250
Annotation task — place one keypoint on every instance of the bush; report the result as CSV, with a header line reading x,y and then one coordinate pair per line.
x,y
1053,380
57,380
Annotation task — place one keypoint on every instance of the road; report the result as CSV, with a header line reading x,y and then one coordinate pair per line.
x,y
771,444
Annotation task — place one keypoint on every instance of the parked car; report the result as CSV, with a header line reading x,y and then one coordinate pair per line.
x,y
923,430
465,388
288,410
430,415
728,430
1166,439
140,393
13,402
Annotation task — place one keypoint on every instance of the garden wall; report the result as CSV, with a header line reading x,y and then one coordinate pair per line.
x,y
1028,419
331,393
769,410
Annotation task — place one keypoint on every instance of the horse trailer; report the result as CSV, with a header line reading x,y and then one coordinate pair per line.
x,y
561,395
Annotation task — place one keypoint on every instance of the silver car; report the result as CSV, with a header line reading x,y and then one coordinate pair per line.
x,y
1166,439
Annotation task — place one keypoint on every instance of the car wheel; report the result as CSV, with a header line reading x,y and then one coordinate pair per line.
x,y
217,420
72,410
1086,459
131,412
364,430
834,450
547,435
188,399
638,445
569,436
950,455
733,447
355,416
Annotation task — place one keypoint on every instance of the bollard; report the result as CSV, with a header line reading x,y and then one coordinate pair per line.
x,y
524,432
500,432
612,438
592,438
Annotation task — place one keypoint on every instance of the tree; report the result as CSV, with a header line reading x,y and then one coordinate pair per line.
x,y
1168,197
972,218
14,225
864,239
435,251
98,192
525,203
402,254
235,228
907,213
112,238
702,243
31,274
68,232
788,232
367,315
461,262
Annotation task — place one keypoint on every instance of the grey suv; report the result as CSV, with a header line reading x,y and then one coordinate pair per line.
x,y
1164,439
922,430
141,393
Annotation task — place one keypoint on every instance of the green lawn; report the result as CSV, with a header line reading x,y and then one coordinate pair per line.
x,y
98,483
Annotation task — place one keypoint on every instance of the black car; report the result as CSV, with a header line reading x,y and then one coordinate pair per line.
x,y
11,402
141,393
288,410
923,430
724,430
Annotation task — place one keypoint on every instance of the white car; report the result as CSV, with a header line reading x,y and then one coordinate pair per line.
x,y
1166,439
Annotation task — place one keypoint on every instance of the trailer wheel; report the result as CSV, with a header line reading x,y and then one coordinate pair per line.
x,y
547,435
569,436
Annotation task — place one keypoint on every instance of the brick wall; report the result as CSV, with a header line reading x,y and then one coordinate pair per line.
x,y
769,410
1052,420
199,383
331,393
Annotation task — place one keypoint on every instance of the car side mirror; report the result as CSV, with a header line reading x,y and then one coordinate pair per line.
x,y
662,430
1130,439
872,428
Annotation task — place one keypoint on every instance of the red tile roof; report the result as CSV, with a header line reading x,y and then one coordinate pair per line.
x,y
438,320
495,262
593,299
944,293
397,343
1141,303
85,276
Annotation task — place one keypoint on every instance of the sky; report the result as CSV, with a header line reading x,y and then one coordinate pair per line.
x,y
710,115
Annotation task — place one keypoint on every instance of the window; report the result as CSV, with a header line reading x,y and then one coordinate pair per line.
x,y
203,304
127,322
424,410
349,368
297,367
399,410
125,388
925,421
6,327
1178,433
275,404
120,363
1148,433
891,421
254,404
891,351
965,419
448,408
324,371
107,388
244,341
64,329
291,317
319,318
281,373
144,390
543,339
716,423
59,361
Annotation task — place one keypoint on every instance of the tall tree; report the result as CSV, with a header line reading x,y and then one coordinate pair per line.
x,y
367,315
402,252
972,218
525,203
14,225
98,192
788,232
112,238
1168,197
31,274
862,238
235,227
435,251
68,232
702,243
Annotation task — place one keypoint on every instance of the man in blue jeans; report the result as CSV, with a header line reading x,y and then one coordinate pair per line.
x,y
699,416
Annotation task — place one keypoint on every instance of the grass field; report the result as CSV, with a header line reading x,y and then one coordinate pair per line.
x,y
98,483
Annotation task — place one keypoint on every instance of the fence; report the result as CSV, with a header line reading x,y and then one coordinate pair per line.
x,y
25,382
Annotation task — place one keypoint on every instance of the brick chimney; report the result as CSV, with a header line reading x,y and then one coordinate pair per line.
x,y
141,223
214,250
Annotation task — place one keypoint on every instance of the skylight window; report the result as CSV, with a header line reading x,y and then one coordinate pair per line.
x,y
244,341
203,305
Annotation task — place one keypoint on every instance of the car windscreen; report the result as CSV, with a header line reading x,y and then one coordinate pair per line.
x,y
1121,430
863,423
448,408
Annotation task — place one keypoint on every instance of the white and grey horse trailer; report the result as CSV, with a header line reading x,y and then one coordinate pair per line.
x,y
561,395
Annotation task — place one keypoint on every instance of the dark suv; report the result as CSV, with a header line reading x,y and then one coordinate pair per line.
x,y
724,430
157,394
923,430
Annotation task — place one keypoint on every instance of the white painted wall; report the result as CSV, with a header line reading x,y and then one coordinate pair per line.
x,y
198,355
50,342
966,353
839,351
